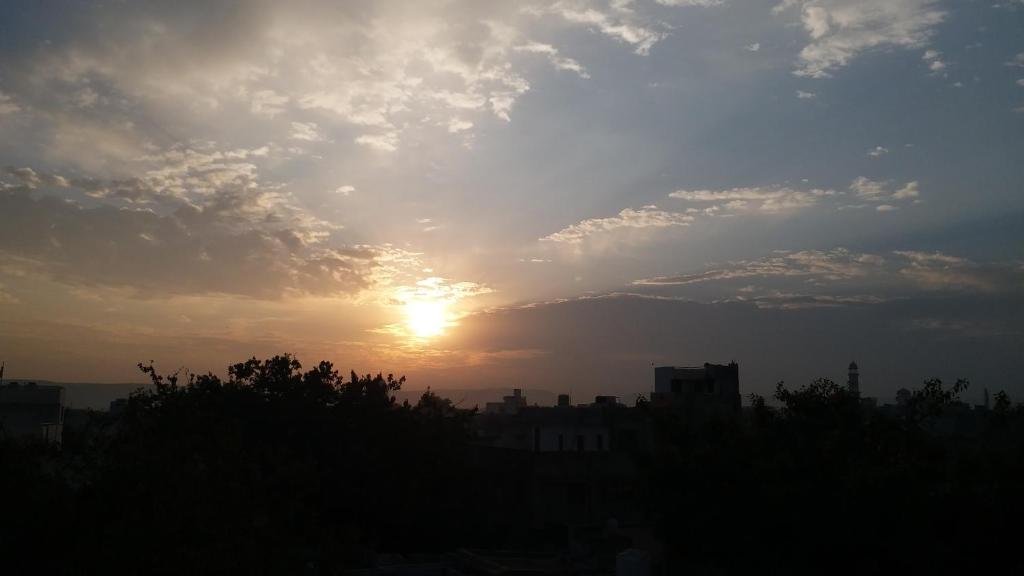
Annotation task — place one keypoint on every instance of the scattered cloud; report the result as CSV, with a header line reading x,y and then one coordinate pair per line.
x,y
622,24
267,103
757,199
345,190
805,95
648,217
938,271
386,142
379,71
228,244
828,265
551,53
1016,62
884,191
841,30
878,151
934,60
8,105
840,276
307,131
756,46
702,3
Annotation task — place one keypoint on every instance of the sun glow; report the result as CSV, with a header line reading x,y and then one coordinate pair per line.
x,y
426,318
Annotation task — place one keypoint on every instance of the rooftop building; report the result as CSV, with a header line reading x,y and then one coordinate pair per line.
x,y
700,391
28,409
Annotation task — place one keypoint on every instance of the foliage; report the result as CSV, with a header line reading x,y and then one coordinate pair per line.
x,y
824,483
270,469
274,469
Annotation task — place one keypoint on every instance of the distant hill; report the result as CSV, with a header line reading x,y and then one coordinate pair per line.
x,y
82,395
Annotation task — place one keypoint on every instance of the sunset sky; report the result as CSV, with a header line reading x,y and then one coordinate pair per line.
x,y
541,194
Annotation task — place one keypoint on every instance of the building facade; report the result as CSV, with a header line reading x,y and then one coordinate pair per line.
x,y
31,410
699,391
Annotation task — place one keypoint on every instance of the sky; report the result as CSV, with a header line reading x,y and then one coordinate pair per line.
x,y
539,194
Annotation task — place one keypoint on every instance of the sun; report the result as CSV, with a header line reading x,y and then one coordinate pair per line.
x,y
426,318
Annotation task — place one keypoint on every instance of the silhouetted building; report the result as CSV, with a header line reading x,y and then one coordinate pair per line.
x,y
562,428
853,379
28,410
508,405
573,464
699,391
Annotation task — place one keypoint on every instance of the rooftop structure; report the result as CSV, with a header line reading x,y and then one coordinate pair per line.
x,y
29,409
508,405
700,391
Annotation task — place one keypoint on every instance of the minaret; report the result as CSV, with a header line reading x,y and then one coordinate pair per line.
x,y
853,379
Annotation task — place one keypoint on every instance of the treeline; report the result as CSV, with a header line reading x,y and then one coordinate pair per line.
x,y
273,470
276,469
827,484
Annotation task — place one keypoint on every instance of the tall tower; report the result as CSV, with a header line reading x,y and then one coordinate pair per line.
x,y
853,379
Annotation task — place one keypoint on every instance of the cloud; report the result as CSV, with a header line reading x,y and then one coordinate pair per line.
x,y
622,25
883,191
938,271
379,71
841,30
307,131
386,142
551,53
878,151
733,202
762,199
29,179
800,94
756,46
935,63
703,3
793,301
345,190
839,274
648,217
828,265
8,105
193,250
267,103
459,125
200,221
